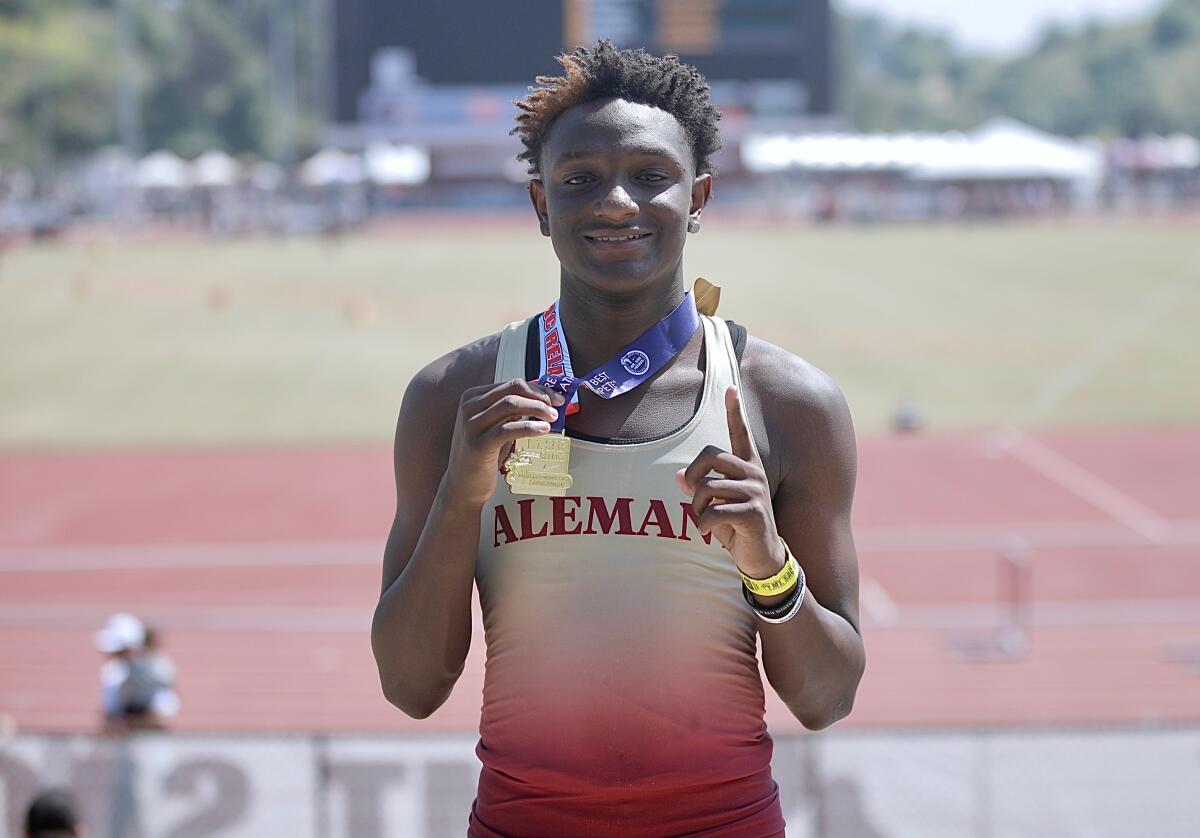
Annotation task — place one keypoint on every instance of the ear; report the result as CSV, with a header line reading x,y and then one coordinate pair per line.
x,y
537,197
701,192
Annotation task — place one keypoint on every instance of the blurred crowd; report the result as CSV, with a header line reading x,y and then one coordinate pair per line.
x,y
1001,169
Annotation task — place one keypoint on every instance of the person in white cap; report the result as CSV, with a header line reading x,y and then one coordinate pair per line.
x,y
133,695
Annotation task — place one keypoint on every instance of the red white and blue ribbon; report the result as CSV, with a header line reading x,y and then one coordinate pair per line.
x,y
555,358
632,365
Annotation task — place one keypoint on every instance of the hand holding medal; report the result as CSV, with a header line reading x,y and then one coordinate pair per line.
x,y
539,466
490,418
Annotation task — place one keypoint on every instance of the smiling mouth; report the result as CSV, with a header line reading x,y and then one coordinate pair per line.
x,y
628,237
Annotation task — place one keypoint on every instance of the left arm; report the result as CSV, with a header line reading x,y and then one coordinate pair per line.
x,y
815,660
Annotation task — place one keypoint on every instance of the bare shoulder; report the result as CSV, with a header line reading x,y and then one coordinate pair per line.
x,y
801,412
787,381
442,381
431,401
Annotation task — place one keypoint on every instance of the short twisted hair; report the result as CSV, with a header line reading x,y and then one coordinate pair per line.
x,y
605,72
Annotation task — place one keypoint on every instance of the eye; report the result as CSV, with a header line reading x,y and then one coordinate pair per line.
x,y
578,180
652,177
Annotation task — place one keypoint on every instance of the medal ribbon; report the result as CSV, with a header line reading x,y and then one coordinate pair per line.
x,y
632,365
556,360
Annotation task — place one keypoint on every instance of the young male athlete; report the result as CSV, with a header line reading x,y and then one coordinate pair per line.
x,y
700,495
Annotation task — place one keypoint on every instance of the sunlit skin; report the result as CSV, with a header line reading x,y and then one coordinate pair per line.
x,y
617,168
609,169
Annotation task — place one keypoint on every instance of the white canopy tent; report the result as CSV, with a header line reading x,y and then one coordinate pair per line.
x,y
1005,150
332,167
163,170
844,152
1154,153
396,165
1002,149
215,169
1183,151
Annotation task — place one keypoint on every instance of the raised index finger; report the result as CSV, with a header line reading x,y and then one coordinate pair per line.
x,y
739,434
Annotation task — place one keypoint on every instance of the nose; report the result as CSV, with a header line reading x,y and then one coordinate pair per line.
x,y
616,205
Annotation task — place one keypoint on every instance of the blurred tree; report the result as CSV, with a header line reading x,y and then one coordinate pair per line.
x,y
54,68
1124,96
210,85
1177,24
905,79
23,8
209,88
1106,79
201,76
204,78
1177,80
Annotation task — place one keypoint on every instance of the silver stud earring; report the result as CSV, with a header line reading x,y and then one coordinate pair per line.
x,y
693,225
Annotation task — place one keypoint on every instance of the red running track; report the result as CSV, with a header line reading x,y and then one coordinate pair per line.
x,y
261,567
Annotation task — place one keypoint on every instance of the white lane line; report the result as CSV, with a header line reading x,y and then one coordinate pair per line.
x,y
1088,487
877,604
1096,612
342,619
197,617
178,556
1061,386
356,553
1038,535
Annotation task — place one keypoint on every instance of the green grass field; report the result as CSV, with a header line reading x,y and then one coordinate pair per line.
x,y
202,342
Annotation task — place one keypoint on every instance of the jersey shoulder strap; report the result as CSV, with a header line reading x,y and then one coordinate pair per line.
x,y
533,363
738,334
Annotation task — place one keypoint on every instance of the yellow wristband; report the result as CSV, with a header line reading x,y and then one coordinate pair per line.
x,y
781,582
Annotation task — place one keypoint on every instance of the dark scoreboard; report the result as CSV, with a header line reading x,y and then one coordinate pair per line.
x,y
473,42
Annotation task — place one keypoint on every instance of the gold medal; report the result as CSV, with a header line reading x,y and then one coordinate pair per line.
x,y
538,465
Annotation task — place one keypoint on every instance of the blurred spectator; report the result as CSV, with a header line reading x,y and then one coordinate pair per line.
x,y
909,416
53,814
136,682
165,703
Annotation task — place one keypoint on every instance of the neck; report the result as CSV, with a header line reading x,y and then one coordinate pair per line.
x,y
598,323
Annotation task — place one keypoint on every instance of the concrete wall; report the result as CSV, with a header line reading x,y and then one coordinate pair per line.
x,y
834,785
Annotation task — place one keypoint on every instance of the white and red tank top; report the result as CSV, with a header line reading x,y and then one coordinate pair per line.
x,y
622,694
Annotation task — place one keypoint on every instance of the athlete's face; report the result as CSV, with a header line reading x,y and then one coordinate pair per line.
x,y
618,185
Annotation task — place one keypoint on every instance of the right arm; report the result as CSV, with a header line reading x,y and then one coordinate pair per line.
x,y
450,441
